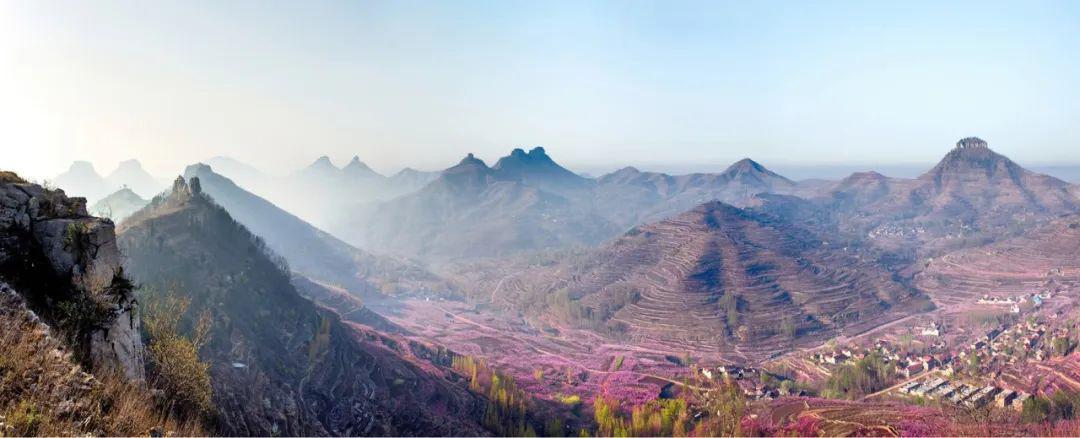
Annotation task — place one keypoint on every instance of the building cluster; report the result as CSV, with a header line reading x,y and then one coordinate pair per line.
x,y
907,363
966,396
1015,302
895,231
1000,346
749,379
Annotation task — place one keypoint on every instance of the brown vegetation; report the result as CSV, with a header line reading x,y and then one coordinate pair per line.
x,y
44,392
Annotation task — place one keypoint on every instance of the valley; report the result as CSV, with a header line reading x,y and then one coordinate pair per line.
x,y
523,297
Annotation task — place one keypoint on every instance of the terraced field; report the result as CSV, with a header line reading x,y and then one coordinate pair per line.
x,y
728,282
1046,259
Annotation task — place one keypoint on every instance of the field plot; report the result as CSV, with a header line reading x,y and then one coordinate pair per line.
x,y
555,367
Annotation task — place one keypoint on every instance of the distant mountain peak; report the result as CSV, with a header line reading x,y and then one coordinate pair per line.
x,y
750,168
82,167
746,164
128,165
971,142
470,160
536,166
869,175
322,162
358,167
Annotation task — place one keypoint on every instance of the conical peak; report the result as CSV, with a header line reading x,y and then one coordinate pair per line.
x,y
322,162
355,165
746,164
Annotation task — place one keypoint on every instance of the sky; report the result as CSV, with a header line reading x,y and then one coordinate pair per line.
x,y
598,84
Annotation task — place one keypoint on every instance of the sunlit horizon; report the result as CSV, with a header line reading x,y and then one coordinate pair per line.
x,y
601,85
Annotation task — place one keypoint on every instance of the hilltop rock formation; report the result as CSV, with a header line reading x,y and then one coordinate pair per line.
x,y
66,265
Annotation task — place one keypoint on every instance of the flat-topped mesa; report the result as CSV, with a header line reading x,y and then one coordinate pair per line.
x,y
971,142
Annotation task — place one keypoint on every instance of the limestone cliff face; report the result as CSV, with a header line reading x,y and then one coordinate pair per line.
x,y
67,266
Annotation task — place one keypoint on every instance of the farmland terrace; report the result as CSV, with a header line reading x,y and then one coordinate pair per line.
x,y
1046,259
717,281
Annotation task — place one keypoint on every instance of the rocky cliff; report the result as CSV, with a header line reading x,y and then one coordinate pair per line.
x,y
66,266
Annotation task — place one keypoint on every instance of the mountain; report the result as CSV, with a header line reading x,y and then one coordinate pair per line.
x,y
973,180
536,168
357,169
638,197
310,250
735,282
241,173
972,196
472,210
82,180
130,174
409,180
279,365
119,205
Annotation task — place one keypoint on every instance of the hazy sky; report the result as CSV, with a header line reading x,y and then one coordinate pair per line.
x,y
422,83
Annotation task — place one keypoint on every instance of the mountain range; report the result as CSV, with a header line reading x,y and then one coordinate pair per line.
x,y
310,250
81,179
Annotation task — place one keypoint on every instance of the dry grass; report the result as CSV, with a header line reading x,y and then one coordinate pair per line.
x,y
10,177
43,392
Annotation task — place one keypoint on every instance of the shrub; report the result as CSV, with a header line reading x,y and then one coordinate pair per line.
x,y
174,358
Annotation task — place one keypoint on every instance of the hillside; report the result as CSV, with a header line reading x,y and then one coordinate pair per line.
x,y
119,205
278,364
311,251
720,279
473,210
1044,259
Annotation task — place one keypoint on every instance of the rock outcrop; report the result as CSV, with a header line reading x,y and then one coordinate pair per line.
x,y
66,265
